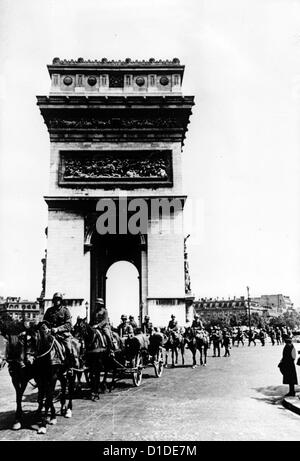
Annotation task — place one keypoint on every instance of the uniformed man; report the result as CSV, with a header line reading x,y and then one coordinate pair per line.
x,y
226,343
124,329
216,340
133,323
147,325
102,323
173,324
251,337
197,323
59,320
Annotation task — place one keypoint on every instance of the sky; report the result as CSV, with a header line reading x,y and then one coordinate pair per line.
x,y
241,162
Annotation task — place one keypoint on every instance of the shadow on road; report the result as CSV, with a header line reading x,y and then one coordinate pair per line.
x,y
7,419
273,394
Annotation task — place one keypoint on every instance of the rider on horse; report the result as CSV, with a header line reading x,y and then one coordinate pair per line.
x,y
197,323
133,323
173,324
102,324
59,319
147,326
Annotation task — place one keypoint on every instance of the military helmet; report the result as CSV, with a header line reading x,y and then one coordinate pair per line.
x,y
57,295
123,317
131,317
172,316
99,301
147,317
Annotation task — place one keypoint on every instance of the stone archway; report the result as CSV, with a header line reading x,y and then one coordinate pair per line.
x,y
107,250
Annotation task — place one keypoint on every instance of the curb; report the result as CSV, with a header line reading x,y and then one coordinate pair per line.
x,y
292,403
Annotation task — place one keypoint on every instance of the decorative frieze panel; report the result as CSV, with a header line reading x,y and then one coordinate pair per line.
x,y
57,123
116,168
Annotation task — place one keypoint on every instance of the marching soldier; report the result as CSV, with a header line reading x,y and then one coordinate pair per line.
x,y
226,342
59,319
251,337
216,340
102,324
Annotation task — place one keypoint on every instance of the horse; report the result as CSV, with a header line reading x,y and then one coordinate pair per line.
x,y
50,367
197,340
19,357
97,356
174,341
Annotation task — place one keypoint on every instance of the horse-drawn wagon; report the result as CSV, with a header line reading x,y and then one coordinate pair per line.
x,y
140,351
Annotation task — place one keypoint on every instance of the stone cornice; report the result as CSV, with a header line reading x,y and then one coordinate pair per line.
x,y
83,204
116,118
100,101
72,65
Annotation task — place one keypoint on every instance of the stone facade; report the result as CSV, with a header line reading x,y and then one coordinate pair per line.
x,y
19,309
116,130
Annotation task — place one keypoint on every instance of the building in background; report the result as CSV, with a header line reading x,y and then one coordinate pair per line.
x,y
19,309
237,309
275,304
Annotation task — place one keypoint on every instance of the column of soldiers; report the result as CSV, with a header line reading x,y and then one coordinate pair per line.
x,y
58,319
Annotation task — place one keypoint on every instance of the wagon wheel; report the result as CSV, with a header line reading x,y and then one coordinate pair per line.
x,y
159,363
138,374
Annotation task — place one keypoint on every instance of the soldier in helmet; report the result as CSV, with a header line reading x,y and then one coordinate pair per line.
x,y
102,323
133,323
124,329
173,324
147,325
59,319
197,323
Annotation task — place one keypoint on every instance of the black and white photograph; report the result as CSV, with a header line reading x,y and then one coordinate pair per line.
x,y
149,223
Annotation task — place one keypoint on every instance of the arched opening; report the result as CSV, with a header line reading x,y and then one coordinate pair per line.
x,y
122,291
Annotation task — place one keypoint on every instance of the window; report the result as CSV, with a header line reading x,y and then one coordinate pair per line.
x,y
176,79
128,80
152,80
55,79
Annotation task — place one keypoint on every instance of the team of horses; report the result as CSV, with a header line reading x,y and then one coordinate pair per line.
x,y
35,354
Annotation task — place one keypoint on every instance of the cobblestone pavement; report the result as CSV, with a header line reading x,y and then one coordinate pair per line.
x,y
235,398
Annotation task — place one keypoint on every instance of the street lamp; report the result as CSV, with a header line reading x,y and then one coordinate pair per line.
x,y
249,315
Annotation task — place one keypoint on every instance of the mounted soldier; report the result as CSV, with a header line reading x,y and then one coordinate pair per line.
x,y
147,326
124,329
59,319
102,324
133,323
173,324
197,323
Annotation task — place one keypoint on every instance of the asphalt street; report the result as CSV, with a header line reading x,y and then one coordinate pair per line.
x,y
237,398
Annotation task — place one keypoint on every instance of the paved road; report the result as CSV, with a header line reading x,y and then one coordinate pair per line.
x,y
235,398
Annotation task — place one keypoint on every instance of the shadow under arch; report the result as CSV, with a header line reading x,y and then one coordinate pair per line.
x,y
107,250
